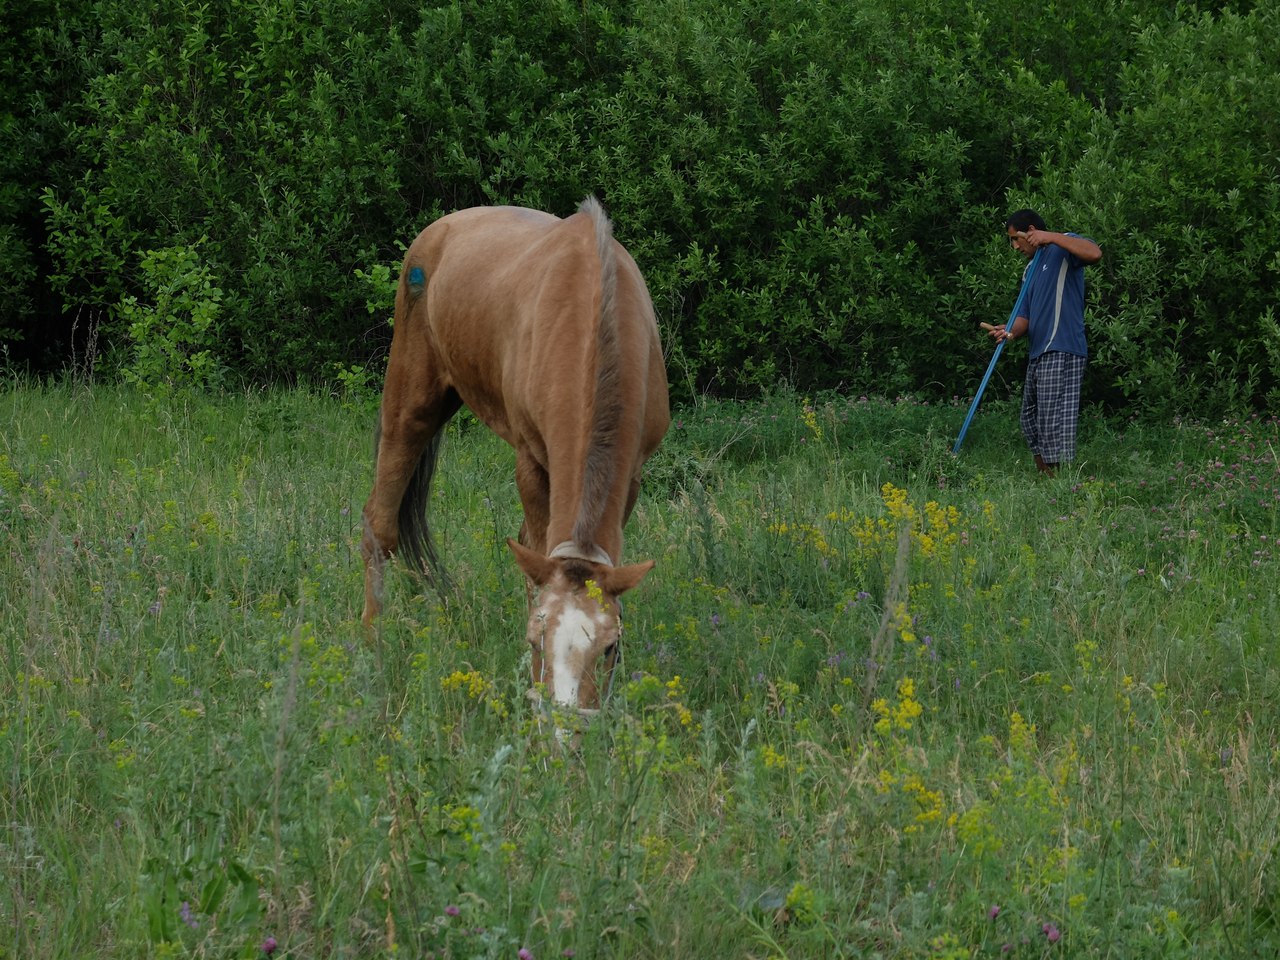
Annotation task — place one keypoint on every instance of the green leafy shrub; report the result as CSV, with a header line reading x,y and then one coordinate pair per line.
x,y
815,193
175,336
269,130
1180,186
41,78
16,273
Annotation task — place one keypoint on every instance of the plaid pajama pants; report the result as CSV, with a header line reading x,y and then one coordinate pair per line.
x,y
1051,405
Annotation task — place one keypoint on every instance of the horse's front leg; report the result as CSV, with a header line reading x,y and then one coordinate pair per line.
x,y
415,405
375,565
535,497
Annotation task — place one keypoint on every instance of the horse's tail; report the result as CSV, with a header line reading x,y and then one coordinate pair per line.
x,y
417,547
601,461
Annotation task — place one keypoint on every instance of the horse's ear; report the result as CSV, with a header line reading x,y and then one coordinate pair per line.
x,y
535,566
618,580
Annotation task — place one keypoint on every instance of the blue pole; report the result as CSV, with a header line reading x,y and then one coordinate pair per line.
x,y
1013,315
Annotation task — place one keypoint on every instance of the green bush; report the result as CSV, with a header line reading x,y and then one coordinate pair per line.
x,y
810,183
174,337
815,193
39,83
1201,214
268,128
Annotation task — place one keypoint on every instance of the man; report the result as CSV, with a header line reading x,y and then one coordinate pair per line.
x,y
1052,314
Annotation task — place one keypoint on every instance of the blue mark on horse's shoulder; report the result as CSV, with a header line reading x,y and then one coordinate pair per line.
x,y
417,280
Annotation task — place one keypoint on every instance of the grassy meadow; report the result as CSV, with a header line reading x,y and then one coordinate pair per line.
x,y
876,701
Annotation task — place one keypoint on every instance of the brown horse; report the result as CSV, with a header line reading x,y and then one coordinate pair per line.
x,y
545,329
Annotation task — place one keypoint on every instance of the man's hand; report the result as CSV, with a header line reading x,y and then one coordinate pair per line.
x,y
997,332
1086,250
1040,238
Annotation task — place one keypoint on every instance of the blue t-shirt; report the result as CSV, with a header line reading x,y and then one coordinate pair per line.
x,y
1054,305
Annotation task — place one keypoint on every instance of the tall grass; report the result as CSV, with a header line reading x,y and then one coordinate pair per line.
x,y
878,701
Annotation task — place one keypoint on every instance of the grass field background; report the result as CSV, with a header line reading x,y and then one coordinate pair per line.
x,y
877,701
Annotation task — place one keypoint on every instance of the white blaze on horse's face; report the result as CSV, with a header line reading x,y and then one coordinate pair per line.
x,y
574,631
575,623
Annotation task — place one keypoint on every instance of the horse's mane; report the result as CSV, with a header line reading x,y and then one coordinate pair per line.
x,y
601,462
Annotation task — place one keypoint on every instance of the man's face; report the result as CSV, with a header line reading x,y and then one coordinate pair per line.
x,y
1019,242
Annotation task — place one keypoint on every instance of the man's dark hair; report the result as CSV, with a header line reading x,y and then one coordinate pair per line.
x,y
1020,220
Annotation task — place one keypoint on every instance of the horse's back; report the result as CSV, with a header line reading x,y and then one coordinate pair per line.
x,y
509,292
480,243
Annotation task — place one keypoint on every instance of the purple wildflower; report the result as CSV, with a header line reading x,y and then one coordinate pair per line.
x,y
993,912
525,954
269,946
1052,934
452,910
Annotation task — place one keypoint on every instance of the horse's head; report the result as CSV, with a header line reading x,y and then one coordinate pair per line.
x,y
575,624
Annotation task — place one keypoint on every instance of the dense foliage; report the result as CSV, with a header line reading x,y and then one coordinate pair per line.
x,y
815,192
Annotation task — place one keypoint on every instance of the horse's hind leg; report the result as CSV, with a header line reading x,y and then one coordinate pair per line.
x,y
415,406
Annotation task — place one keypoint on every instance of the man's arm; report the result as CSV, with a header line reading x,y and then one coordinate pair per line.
x,y
1080,247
